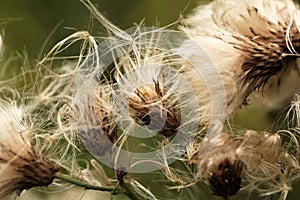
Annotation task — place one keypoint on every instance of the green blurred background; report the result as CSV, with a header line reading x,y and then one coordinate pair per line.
x,y
35,26
28,23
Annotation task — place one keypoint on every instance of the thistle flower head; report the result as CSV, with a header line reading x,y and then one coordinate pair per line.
x,y
151,103
259,42
222,169
21,166
257,162
148,104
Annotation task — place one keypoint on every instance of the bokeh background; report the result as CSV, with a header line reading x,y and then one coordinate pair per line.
x,y
28,23
34,26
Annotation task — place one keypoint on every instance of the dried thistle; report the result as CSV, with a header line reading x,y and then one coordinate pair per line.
x,y
151,108
147,87
222,169
254,44
21,165
257,162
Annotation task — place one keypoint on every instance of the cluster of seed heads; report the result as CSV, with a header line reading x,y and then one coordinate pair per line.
x,y
137,90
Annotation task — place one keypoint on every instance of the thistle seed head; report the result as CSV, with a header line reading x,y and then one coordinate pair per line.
x,y
257,41
25,171
151,108
21,166
222,169
261,162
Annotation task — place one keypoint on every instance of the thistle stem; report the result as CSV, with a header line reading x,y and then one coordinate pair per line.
x,y
128,192
120,175
114,190
85,185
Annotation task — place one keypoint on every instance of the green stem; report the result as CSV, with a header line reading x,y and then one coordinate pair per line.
x,y
113,190
128,192
83,184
